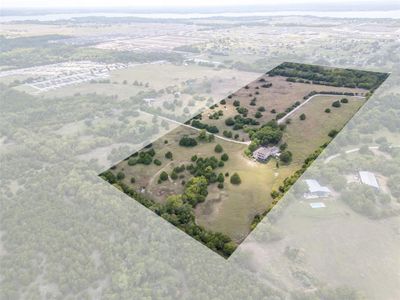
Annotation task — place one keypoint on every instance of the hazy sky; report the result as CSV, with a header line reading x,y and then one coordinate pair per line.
x,y
158,3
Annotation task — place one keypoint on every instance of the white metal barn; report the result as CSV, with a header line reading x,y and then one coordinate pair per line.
x,y
368,178
315,190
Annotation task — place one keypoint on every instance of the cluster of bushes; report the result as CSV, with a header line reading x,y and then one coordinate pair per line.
x,y
242,110
205,167
143,157
238,122
205,137
216,115
210,128
286,157
312,93
330,76
269,134
187,141
366,200
227,133
178,211
266,85
280,115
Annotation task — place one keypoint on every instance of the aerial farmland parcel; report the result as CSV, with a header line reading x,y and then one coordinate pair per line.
x,y
217,175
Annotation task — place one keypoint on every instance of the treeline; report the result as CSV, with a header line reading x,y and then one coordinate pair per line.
x,y
312,93
178,209
7,44
35,52
330,76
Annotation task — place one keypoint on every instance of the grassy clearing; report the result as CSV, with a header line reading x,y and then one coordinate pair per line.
x,y
225,210
303,137
281,95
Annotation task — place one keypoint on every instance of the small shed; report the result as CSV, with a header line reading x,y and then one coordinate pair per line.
x,y
315,190
368,178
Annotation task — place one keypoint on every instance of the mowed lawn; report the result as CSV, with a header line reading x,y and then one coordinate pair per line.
x,y
303,137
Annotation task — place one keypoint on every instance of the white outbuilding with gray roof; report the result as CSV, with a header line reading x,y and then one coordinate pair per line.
x,y
315,190
368,178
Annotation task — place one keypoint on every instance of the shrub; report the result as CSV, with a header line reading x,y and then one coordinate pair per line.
x,y
218,148
344,100
132,161
224,157
333,133
227,134
283,146
157,162
220,185
223,101
229,122
236,103
120,175
328,110
336,104
258,115
302,117
168,155
186,141
194,158
273,111
133,180
163,176
261,108
174,176
235,179
286,157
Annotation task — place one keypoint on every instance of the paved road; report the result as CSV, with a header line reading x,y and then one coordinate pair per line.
x,y
189,126
309,99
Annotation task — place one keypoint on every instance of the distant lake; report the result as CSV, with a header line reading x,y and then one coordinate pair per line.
x,y
393,14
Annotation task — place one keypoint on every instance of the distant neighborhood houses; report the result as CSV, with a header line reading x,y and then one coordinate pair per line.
x,y
263,153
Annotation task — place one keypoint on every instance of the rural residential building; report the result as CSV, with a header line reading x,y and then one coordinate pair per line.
x,y
368,178
263,153
315,190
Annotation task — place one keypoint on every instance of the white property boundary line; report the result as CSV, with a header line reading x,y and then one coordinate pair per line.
x,y
309,99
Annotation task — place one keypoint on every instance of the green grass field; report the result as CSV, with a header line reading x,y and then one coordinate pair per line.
x,y
303,137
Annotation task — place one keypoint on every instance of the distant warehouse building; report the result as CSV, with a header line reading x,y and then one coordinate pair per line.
x,y
315,190
368,178
263,153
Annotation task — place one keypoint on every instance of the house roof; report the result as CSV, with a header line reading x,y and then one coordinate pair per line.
x,y
314,186
368,178
266,151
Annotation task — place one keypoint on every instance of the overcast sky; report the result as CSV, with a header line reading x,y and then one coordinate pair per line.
x,y
157,3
